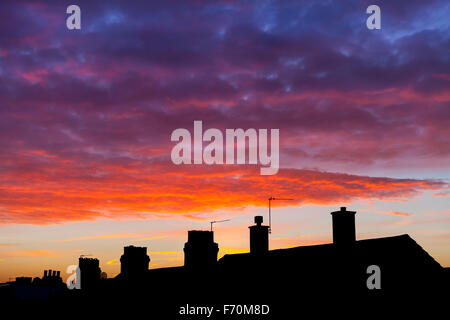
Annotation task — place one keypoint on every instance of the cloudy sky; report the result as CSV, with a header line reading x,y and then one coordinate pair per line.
x,y
86,117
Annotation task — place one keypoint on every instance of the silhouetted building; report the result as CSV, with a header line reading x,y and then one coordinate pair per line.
x,y
342,264
23,280
90,272
344,232
134,262
200,251
259,237
337,270
334,273
24,289
51,278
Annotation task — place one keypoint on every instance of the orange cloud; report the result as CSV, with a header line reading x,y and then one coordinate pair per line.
x,y
165,190
442,194
103,236
31,253
114,261
4,245
397,213
113,236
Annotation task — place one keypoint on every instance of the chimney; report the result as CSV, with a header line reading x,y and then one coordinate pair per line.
x,y
50,273
54,273
344,227
45,273
58,274
134,262
89,272
200,251
259,237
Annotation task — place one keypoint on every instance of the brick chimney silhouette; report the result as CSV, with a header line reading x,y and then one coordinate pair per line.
x,y
200,251
134,262
90,272
344,227
259,237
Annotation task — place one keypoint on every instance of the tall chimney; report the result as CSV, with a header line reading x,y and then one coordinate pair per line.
x,y
200,251
344,227
259,237
133,263
45,273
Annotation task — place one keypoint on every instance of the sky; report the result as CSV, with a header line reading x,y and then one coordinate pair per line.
x,y
86,118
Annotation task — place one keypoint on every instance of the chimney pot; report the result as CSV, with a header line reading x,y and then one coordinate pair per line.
x,y
344,232
259,237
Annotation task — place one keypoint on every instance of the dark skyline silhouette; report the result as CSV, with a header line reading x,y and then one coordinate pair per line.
x,y
260,276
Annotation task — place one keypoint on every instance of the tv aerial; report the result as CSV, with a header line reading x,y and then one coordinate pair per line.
x,y
218,221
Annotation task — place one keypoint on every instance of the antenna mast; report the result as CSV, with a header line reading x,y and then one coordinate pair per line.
x,y
219,221
270,210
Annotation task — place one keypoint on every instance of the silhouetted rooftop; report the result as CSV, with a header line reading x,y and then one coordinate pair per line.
x,y
392,248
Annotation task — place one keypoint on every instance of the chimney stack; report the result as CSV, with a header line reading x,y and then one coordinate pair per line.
x,y
89,272
344,227
200,251
134,262
259,237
